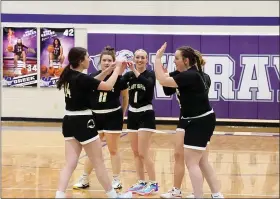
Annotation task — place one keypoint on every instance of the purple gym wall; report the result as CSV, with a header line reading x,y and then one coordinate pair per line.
x,y
244,70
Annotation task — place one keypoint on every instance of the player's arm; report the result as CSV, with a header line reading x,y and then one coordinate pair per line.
x,y
168,90
109,84
125,98
146,81
124,94
160,74
25,46
88,82
161,77
61,51
101,76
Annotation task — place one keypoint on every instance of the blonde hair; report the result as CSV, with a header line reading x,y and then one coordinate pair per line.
x,y
142,51
202,61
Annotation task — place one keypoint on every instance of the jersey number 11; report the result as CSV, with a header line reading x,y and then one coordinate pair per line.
x,y
102,97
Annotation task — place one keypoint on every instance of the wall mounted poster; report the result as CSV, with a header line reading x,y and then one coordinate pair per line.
x,y
19,57
55,44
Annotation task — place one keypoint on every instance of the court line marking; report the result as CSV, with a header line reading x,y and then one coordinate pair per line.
x,y
100,190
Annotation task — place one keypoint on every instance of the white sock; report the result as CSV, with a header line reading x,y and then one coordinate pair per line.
x,y
85,174
59,194
112,194
116,177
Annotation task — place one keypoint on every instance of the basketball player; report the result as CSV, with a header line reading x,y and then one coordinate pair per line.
x,y
108,115
57,54
197,117
141,121
78,125
179,167
20,53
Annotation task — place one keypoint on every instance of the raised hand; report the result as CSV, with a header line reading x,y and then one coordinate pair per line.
x,y
161,50
109,69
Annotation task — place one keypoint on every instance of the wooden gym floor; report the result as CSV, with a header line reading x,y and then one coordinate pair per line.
x,y
246,161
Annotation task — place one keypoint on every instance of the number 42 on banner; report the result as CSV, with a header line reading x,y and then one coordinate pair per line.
x,y
69,32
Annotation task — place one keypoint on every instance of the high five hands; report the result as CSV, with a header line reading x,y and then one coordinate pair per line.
x,y
161,50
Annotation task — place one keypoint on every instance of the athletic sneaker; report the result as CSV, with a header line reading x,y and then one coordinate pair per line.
x,y
173,193
138,186
116,184
150,188
82,183
218,195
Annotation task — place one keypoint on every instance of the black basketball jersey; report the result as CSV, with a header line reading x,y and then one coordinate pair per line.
x,y
192,92
141,89
19,48
101,100
77,90
56,50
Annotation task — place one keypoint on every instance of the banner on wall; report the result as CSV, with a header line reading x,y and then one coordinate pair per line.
x,y
244,70
19,57
55,44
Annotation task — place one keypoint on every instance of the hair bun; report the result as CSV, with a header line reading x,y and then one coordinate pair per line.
x,y
109,48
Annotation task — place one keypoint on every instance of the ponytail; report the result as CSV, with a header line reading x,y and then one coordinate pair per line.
x,y
198,62
62,77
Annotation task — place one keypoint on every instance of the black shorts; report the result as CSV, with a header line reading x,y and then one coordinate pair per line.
x,y
141,121
55,57
19,55
109,122
79,127
198,131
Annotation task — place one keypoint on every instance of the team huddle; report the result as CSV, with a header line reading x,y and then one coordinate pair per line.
x,y
94,112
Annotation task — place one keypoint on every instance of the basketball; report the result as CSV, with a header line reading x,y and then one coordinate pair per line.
x,y
10,48
51,71
50,48
24,71
58,72
44,69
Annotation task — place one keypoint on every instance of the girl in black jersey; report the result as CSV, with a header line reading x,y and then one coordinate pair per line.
x,y
78,127
108,114
57,54
179,166
141,121
197,117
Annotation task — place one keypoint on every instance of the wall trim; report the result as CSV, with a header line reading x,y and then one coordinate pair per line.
x,y
140,20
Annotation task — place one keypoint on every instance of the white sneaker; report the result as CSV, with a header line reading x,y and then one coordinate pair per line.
x,y
173,193
116,184
219,195
60,194
82,183
125,195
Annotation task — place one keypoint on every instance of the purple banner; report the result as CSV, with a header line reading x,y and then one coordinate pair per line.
x,y
244,70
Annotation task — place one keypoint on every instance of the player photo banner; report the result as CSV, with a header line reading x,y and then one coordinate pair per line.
x,y
19,57
244,70
55,44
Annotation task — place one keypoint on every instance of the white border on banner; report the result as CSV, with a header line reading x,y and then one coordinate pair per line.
x,y
161,29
